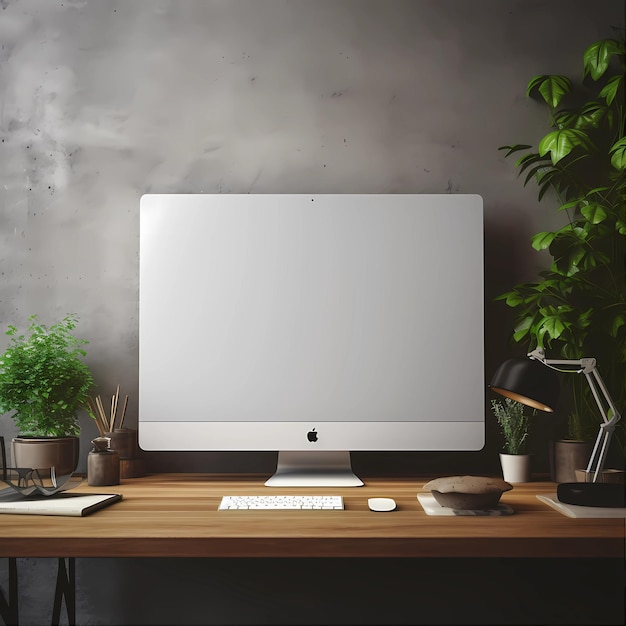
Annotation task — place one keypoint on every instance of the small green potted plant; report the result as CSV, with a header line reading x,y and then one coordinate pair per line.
x,y
516,425
44,382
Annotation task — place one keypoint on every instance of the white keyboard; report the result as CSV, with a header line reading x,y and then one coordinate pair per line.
x,y
282,502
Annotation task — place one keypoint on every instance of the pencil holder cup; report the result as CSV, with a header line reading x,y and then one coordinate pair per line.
x,y
124,440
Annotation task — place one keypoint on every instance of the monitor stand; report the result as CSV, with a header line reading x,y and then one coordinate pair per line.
x,y
314,469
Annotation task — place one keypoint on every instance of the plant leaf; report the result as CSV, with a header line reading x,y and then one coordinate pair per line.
x,y
597,56
594,213
514,299
559,143
541,241
551,87
565,119
618,322
538,170
522,329
569,205
596,190
589,116
528,159
551,179
553,326
515,148
618,154
568,250
609,91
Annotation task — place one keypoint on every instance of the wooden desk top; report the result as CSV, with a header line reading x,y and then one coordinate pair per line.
x,y
175,515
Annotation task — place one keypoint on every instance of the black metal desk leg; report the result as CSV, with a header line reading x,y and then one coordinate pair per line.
x,y
8,608
65,588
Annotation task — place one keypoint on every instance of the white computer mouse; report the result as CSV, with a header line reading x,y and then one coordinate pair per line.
x,y
381,504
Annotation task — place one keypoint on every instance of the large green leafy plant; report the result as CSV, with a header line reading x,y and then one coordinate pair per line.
x,y
577,307
44,380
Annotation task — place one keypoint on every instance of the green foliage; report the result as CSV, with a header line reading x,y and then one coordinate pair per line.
x,y
43,379
515,424
577,307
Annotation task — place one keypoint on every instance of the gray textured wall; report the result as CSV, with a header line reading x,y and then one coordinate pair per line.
x,y
102,101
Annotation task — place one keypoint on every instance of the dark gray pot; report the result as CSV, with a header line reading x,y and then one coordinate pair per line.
x,y
46,452
567,456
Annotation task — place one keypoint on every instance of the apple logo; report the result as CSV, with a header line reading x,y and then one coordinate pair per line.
x,y
311,435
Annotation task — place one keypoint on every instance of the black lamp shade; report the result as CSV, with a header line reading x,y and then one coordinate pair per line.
x,y
528,381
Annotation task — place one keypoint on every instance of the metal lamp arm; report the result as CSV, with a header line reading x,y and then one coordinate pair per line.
x,y
587,366
596,383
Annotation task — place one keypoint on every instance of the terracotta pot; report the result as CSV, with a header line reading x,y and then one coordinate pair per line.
x,y
45,452
606,476
568,455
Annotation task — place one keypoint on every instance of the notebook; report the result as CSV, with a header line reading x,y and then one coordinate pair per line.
x,y
71,504
573,510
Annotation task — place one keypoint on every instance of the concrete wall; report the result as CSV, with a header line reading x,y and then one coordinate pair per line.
x,y
104,101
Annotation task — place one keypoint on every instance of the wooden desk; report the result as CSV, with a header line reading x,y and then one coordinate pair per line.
x,y
175,515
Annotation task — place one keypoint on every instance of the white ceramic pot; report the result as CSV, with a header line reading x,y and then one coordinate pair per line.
x,y
515,467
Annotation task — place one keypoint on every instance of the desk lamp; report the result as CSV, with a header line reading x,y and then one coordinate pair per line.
x,y
533,382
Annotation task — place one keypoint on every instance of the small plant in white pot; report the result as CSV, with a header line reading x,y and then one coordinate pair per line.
x,y
44,382
515,424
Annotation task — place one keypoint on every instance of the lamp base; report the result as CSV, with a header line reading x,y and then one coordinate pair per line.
x,y
592,494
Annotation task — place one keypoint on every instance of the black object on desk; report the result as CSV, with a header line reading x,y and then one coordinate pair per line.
x,y
592,494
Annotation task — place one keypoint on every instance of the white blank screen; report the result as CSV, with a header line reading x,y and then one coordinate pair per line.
x,y
347,309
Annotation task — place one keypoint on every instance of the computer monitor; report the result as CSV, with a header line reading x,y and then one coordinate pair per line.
x,y
311,325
